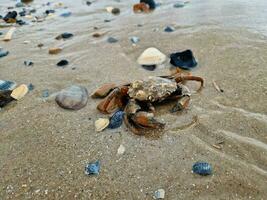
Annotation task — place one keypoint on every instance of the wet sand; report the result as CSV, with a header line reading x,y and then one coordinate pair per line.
x,y
44,148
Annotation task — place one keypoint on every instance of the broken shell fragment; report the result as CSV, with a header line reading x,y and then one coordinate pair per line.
x,y
55,50
151,56
159,194
121,150
101,124
20,92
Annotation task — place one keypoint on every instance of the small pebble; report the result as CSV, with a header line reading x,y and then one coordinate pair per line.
x,y
159,194
31,87
20,4
45,93
62,63
179,4
92,168
65,35
28,63
121,150
115,11
65,14
135,40
88,3
169,29
3,53
112,40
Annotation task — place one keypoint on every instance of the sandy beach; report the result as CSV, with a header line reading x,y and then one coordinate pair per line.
x,y
44,148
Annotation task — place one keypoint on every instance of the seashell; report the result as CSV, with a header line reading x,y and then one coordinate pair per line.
x,y
20,92
7,85
116,120
101,124
72,98
109,9
151,56
104,90
62,63
5,98
121,150
55,50
159,194
141,7
3,53
112,40
202,168
151,3
92,168
184,59
65,35
169,29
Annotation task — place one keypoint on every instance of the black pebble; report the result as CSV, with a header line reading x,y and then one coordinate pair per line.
x,y
62,63
112,40
149,67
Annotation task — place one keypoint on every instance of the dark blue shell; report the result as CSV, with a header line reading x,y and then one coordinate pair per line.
x,y
169,29
202,168
3,53
116,120
151,3
92,168
184,59
66,35
7,85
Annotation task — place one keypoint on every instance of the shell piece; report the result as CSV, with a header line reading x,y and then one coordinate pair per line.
x,y
7,85
55,50
151,56
104,90
152,89
101,124
159,194
72,98
20,92
116,120
109,9
92,168
121,150
202,168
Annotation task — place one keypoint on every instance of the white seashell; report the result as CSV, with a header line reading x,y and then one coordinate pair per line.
x,y
109,9
101,124
151,56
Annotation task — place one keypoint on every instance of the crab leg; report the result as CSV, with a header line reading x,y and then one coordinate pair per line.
x,y
179,78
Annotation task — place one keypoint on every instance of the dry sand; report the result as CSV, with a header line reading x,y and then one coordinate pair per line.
x,y
44,148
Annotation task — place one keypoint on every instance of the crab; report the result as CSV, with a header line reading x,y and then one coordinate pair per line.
x,y
138,99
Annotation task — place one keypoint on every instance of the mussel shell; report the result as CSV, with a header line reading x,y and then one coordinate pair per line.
x,y
116,120
5,98
202,168
7,85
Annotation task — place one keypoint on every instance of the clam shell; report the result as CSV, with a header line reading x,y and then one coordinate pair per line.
x,y
151,56
72,98
20,92
101,124
7,85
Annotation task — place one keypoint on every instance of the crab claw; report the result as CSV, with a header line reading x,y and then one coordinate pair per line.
x,y
104,90
181,104
139,122
179,78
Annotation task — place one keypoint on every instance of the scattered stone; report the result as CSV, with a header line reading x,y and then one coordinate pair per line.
x,y
159,194
3,53
202,168
121,150
20,92
96,35
62,63
49,12
116,120
65,35
45,93
184,59
135,40
19,5
26,42
31,87
40,45
55,50
112,40
66,14
169,29
107,20
88,3
112,10
28,63
7,85
101,124
92,168
179,4
72,98
151,56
